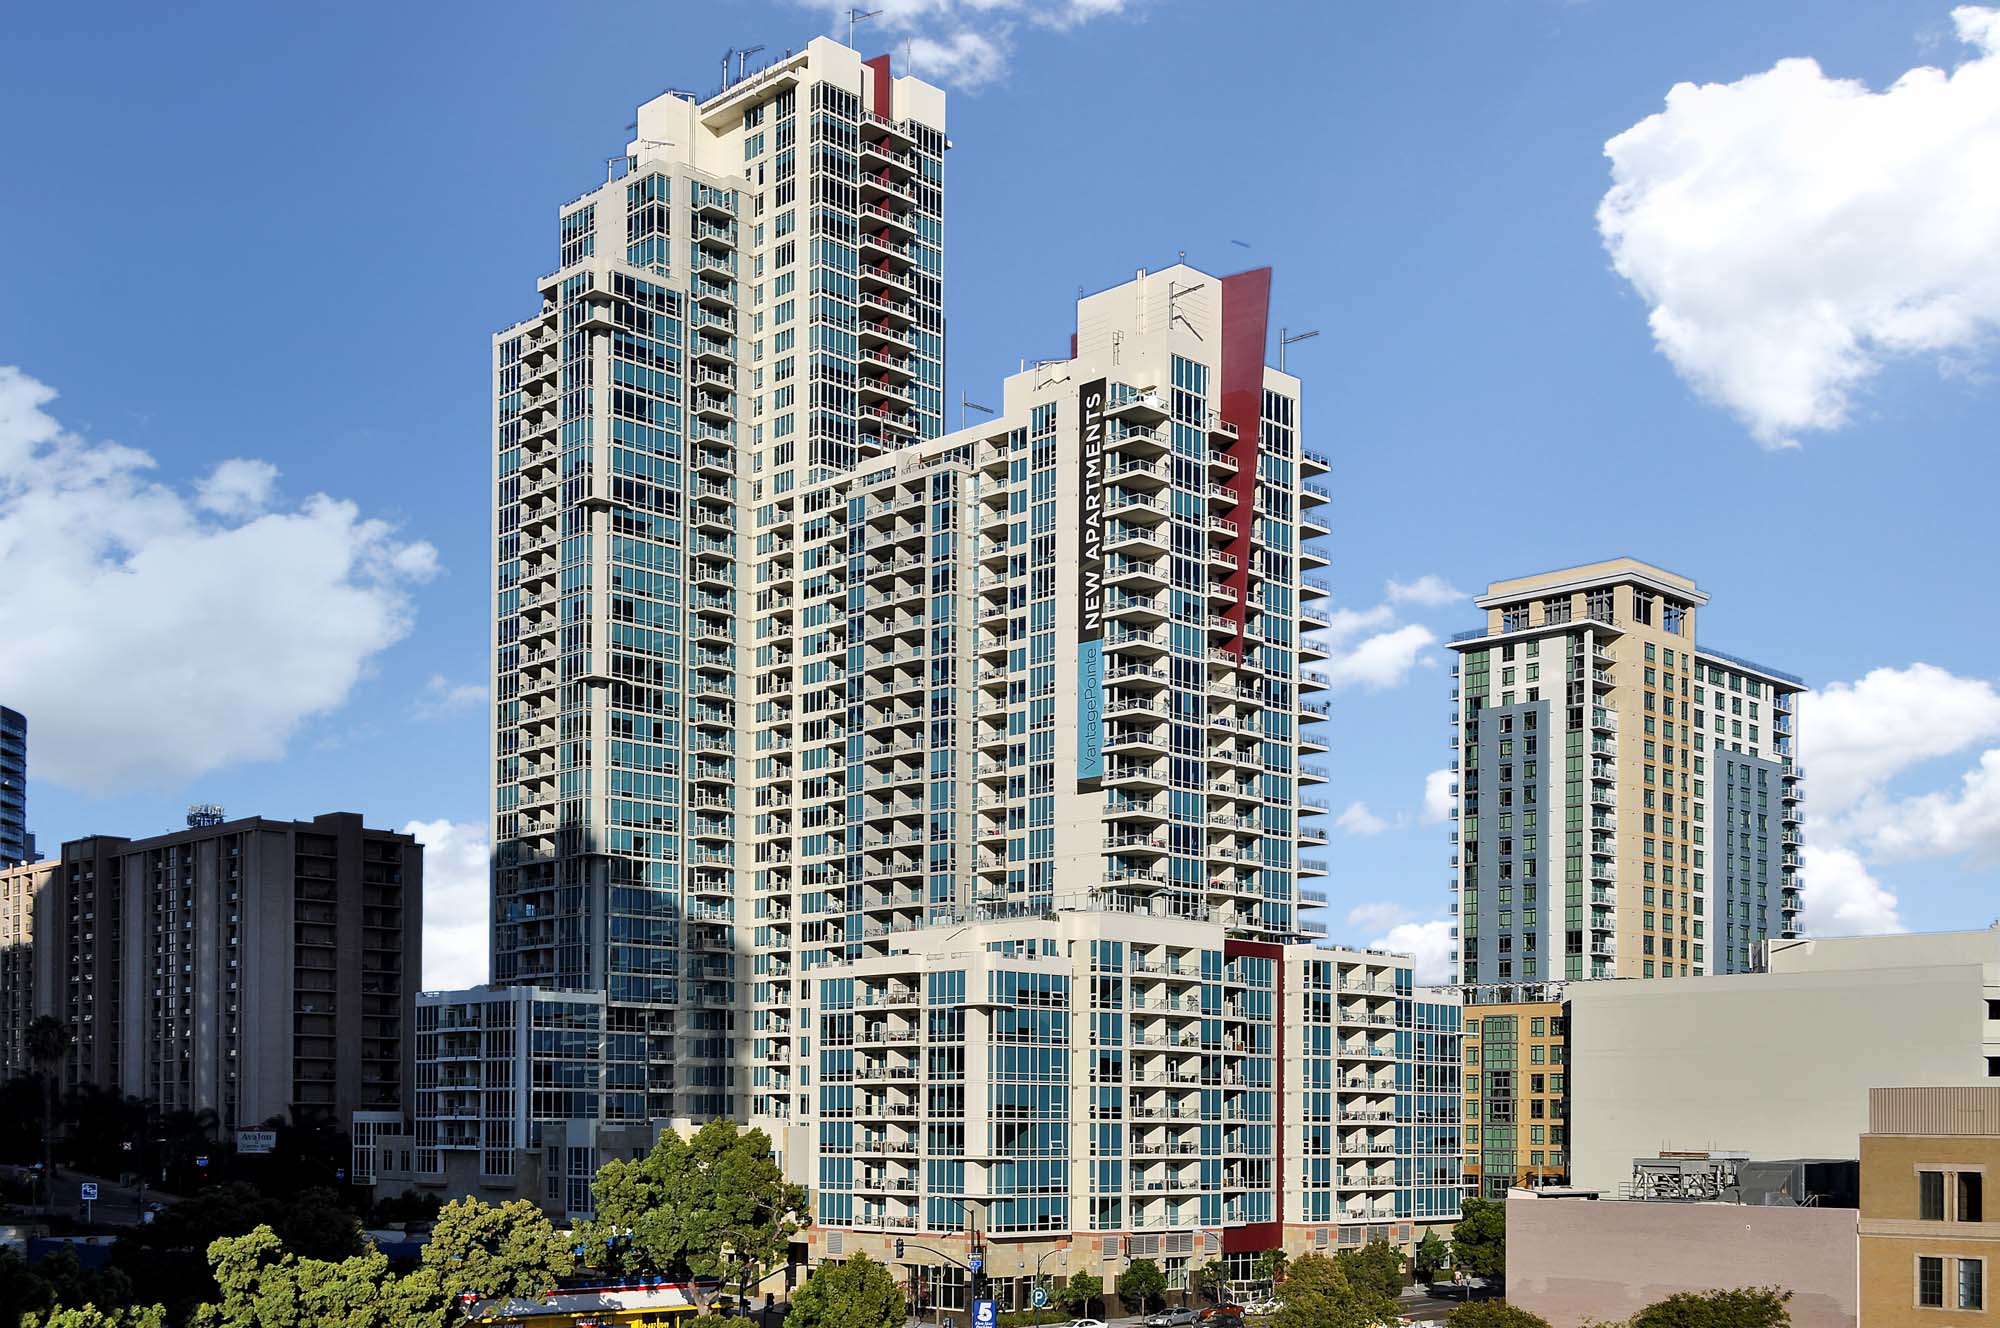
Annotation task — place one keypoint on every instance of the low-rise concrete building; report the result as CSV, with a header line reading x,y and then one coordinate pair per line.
x,y
1928,1250
1574,1259
1776,1063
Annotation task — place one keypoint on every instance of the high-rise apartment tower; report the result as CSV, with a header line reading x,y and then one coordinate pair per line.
x,y
16,844
1628,799
748,310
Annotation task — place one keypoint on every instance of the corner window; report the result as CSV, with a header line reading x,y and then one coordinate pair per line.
x,y
1972,1284
1971,1185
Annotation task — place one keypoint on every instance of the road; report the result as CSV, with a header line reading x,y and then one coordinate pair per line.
x,y
117,1205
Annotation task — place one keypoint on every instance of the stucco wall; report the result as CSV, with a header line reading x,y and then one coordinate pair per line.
x,y
1571,1260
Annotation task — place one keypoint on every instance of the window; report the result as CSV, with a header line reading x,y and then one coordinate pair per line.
x,y
1930,1281
1970,1187
1930,1196
1972,1284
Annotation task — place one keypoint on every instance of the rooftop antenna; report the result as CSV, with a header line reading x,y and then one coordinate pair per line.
x,y
855,16
1284,341
725,69
964,405
743,59
1174,315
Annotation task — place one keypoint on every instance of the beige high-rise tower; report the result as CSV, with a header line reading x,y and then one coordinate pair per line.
x,y
1628,799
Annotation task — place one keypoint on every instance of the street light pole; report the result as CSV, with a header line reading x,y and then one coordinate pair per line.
x,y
1036,1291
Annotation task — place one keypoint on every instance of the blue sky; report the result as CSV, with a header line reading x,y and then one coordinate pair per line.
x,y
278,237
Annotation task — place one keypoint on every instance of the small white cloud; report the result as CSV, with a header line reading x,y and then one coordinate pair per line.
x,y
238,487
963,43
1842,898
1345,623
443,697
1438,796
1428,591
1792,232
456,892
1378,917
1429,944
1358,820
1381,661
164,634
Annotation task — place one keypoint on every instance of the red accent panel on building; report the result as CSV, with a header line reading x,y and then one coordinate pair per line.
x,y
1072,345
1256,1237
879,66
1246,331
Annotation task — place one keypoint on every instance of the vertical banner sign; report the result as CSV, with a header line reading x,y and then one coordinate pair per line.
x,y
1090,587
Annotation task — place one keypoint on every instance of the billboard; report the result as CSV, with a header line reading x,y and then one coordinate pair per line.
x,y
1090,586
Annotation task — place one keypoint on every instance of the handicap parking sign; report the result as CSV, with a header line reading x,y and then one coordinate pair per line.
x,y
983,1315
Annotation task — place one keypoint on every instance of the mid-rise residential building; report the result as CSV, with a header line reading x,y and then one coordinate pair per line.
x,y
1105,1085
16,844
253,968
26,972
1628,799
508,1101
1928,1251
1516,1117
1778,1063
745,316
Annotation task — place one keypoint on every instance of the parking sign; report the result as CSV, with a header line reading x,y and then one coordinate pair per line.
x,y
1041,1297
88,1189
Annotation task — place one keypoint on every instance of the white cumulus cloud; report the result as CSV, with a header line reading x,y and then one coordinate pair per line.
x,y
1356,819
455,902
1842,898
1429,590
162,634
1428,943
1382,660
1944,824
961,43
1438,797
1791,231
1857,736
444,697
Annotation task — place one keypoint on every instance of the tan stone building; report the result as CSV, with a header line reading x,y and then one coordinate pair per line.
x,y
1628,802
26,987
1928,1243
1516,1087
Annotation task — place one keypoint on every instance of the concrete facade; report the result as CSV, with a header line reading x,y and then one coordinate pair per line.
x,y
1930,1238
1574,1260
1779,1063
27,973
254,968
1604,828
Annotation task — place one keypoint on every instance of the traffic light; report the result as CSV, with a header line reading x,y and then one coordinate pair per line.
x,y
899,1250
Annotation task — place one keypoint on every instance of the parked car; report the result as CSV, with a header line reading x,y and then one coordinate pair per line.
x,y
1085,1323
1214,1312
1183,1317
1268,1305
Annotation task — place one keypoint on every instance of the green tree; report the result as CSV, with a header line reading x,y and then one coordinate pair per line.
x,y
264,1285
1479,1241
1141,1284
1430,1257
1376,1267
1492,1314
1080,1294
1270,1266
1742,1307
859,1293
58,1279
485,1249
46,1041
1317,1294
1212,1280
713,1205
89,1316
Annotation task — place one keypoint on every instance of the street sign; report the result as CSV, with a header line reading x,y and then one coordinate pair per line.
x,y
88,1190
1041,1297
256,1141
983,1315
977,1263
201,1161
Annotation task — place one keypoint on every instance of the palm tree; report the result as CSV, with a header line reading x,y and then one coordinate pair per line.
x,y
46,1040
